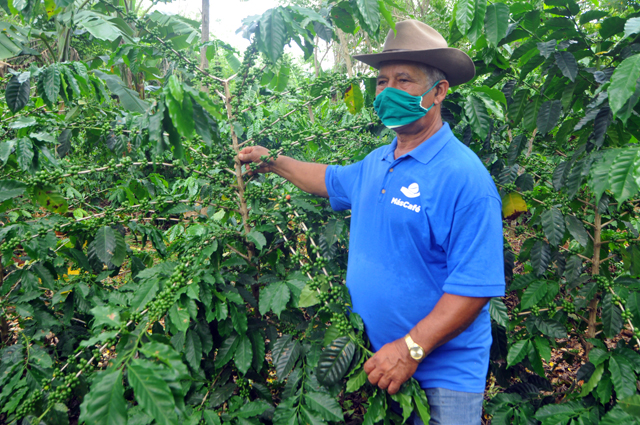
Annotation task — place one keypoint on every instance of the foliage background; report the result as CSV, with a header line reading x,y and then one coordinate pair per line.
x,y
146,278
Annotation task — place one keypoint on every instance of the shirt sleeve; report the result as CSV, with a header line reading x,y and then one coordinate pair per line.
x,y
475,250
341,182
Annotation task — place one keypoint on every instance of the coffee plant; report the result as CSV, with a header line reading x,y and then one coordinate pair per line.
x,y
147,277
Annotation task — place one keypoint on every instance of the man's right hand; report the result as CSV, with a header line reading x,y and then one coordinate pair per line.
x,y
252,154
308,176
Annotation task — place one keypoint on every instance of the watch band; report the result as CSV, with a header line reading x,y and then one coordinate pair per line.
x,y
416,352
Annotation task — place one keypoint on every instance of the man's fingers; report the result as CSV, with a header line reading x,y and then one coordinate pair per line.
x,y
369,365
384,382
394,387
244,154
375,376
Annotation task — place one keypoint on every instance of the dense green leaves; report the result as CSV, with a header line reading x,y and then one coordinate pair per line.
x,y
50,82
534,293
553,102
567,64
577,230
553,224
631,405
498,312
356,381
343,19
64,143
477,112
106,315
540,257
257,238
517,107
104,244
286,351
612,26
611,317
592,15
547,48
105,404
622,376
129,98
99,25
193,349
465,12
369,11
632,26
622,181
530,115
517,352
623,82
325,405
548,116
10,189
25,153
244,354
272,33
335,360
17,92
151,391
477,25
274,297
496,21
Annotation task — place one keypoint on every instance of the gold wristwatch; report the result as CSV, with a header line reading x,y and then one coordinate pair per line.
x,y
415,351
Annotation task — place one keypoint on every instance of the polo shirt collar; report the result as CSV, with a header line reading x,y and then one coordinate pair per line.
x,y
426,150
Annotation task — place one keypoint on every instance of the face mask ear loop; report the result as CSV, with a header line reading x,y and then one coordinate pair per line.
x,y
425,93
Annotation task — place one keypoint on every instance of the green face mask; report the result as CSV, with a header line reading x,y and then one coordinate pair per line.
x,y
397,108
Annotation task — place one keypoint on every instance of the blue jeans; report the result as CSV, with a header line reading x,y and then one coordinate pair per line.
x,y
450,407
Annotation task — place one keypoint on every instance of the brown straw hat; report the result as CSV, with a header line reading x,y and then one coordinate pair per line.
x,y
418,42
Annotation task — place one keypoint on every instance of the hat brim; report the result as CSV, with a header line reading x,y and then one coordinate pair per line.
x,y
456,64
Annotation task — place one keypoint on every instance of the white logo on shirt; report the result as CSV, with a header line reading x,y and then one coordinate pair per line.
x,y
413,191
405,204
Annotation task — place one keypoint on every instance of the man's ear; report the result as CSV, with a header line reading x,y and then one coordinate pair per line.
x,y
441,92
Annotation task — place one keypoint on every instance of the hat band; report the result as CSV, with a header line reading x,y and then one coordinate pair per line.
x,y
410,50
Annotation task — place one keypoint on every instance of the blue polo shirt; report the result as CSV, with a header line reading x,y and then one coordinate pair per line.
x,y
424,224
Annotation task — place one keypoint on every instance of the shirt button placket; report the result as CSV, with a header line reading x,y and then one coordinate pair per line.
x,y
384,183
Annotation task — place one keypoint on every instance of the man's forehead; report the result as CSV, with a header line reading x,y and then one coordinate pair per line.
x,y
397,68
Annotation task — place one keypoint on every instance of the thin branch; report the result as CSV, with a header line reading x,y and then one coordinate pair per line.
x,y
608,222
608,258
246,257
579,255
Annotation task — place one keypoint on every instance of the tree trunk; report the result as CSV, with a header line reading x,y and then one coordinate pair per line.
x,y
344,49
311,116
595,271
4,326
204,63
315,56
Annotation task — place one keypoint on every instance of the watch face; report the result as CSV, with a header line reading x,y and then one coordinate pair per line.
x,y
416,352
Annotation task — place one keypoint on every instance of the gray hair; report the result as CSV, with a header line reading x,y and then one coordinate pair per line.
x,y
433,74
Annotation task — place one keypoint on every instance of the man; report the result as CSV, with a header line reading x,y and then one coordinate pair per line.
x,y
426,233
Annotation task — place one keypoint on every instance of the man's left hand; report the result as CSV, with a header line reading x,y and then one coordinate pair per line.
x,y
391,366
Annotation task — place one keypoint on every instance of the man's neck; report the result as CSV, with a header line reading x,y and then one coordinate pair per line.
x,y
412,135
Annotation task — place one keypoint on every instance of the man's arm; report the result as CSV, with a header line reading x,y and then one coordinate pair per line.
x,y
307,176
392,365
